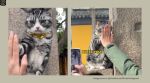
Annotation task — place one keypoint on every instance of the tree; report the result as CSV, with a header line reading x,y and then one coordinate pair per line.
x,y
53,63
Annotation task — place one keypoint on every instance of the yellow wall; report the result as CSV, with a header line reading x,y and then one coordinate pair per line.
x,y
81,36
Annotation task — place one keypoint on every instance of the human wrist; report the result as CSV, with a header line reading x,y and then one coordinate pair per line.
x,y
109,45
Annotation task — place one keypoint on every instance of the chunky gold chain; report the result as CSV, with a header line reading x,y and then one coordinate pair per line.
x,y
39,36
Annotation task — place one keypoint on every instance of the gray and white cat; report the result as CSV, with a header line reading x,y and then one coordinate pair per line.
x,y
97,60
37,41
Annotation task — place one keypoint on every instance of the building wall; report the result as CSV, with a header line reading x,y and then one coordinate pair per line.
x,y
81,36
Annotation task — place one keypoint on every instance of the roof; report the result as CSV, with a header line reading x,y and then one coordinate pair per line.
x,y
83,16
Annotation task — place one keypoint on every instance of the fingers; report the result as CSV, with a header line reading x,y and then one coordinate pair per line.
x,y
106,35
16,49
10,44
106,32
13,47
24,64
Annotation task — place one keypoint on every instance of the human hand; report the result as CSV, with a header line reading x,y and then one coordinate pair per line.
x,y
13,47
80,68
106,35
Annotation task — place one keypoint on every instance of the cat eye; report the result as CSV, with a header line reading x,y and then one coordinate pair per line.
x,y
46,23
30,23
43,21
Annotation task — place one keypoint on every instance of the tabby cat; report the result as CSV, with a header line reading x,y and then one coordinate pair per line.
x,y
96,58
37,41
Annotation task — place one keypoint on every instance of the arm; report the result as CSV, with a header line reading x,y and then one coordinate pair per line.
x,y
121,61
118,58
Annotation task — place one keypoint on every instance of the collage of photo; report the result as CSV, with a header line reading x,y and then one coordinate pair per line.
x,y
104,41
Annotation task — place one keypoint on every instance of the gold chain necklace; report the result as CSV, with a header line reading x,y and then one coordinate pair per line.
x,y
39,36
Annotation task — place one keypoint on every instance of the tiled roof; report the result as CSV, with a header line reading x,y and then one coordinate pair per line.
x,y
83,16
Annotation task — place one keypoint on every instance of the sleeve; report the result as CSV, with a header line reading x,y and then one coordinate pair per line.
x,y
121,61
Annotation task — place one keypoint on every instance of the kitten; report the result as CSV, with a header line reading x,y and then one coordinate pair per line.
x,y
37,41
97,60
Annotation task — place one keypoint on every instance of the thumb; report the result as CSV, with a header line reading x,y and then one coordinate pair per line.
x,y
24,64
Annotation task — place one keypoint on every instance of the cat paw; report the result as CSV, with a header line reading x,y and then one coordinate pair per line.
x,y
101,67
38,73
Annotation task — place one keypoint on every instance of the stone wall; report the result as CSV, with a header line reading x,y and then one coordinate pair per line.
x,y
127,31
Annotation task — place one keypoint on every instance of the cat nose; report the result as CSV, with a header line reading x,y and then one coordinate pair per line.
x,y
37,28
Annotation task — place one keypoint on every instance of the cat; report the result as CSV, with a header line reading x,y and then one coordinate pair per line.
x,y
38,38
96,58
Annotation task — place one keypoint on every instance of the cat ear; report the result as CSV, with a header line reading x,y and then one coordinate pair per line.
x,y
46,9
27,10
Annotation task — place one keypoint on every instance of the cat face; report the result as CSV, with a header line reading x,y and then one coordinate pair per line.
x,y
38,21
